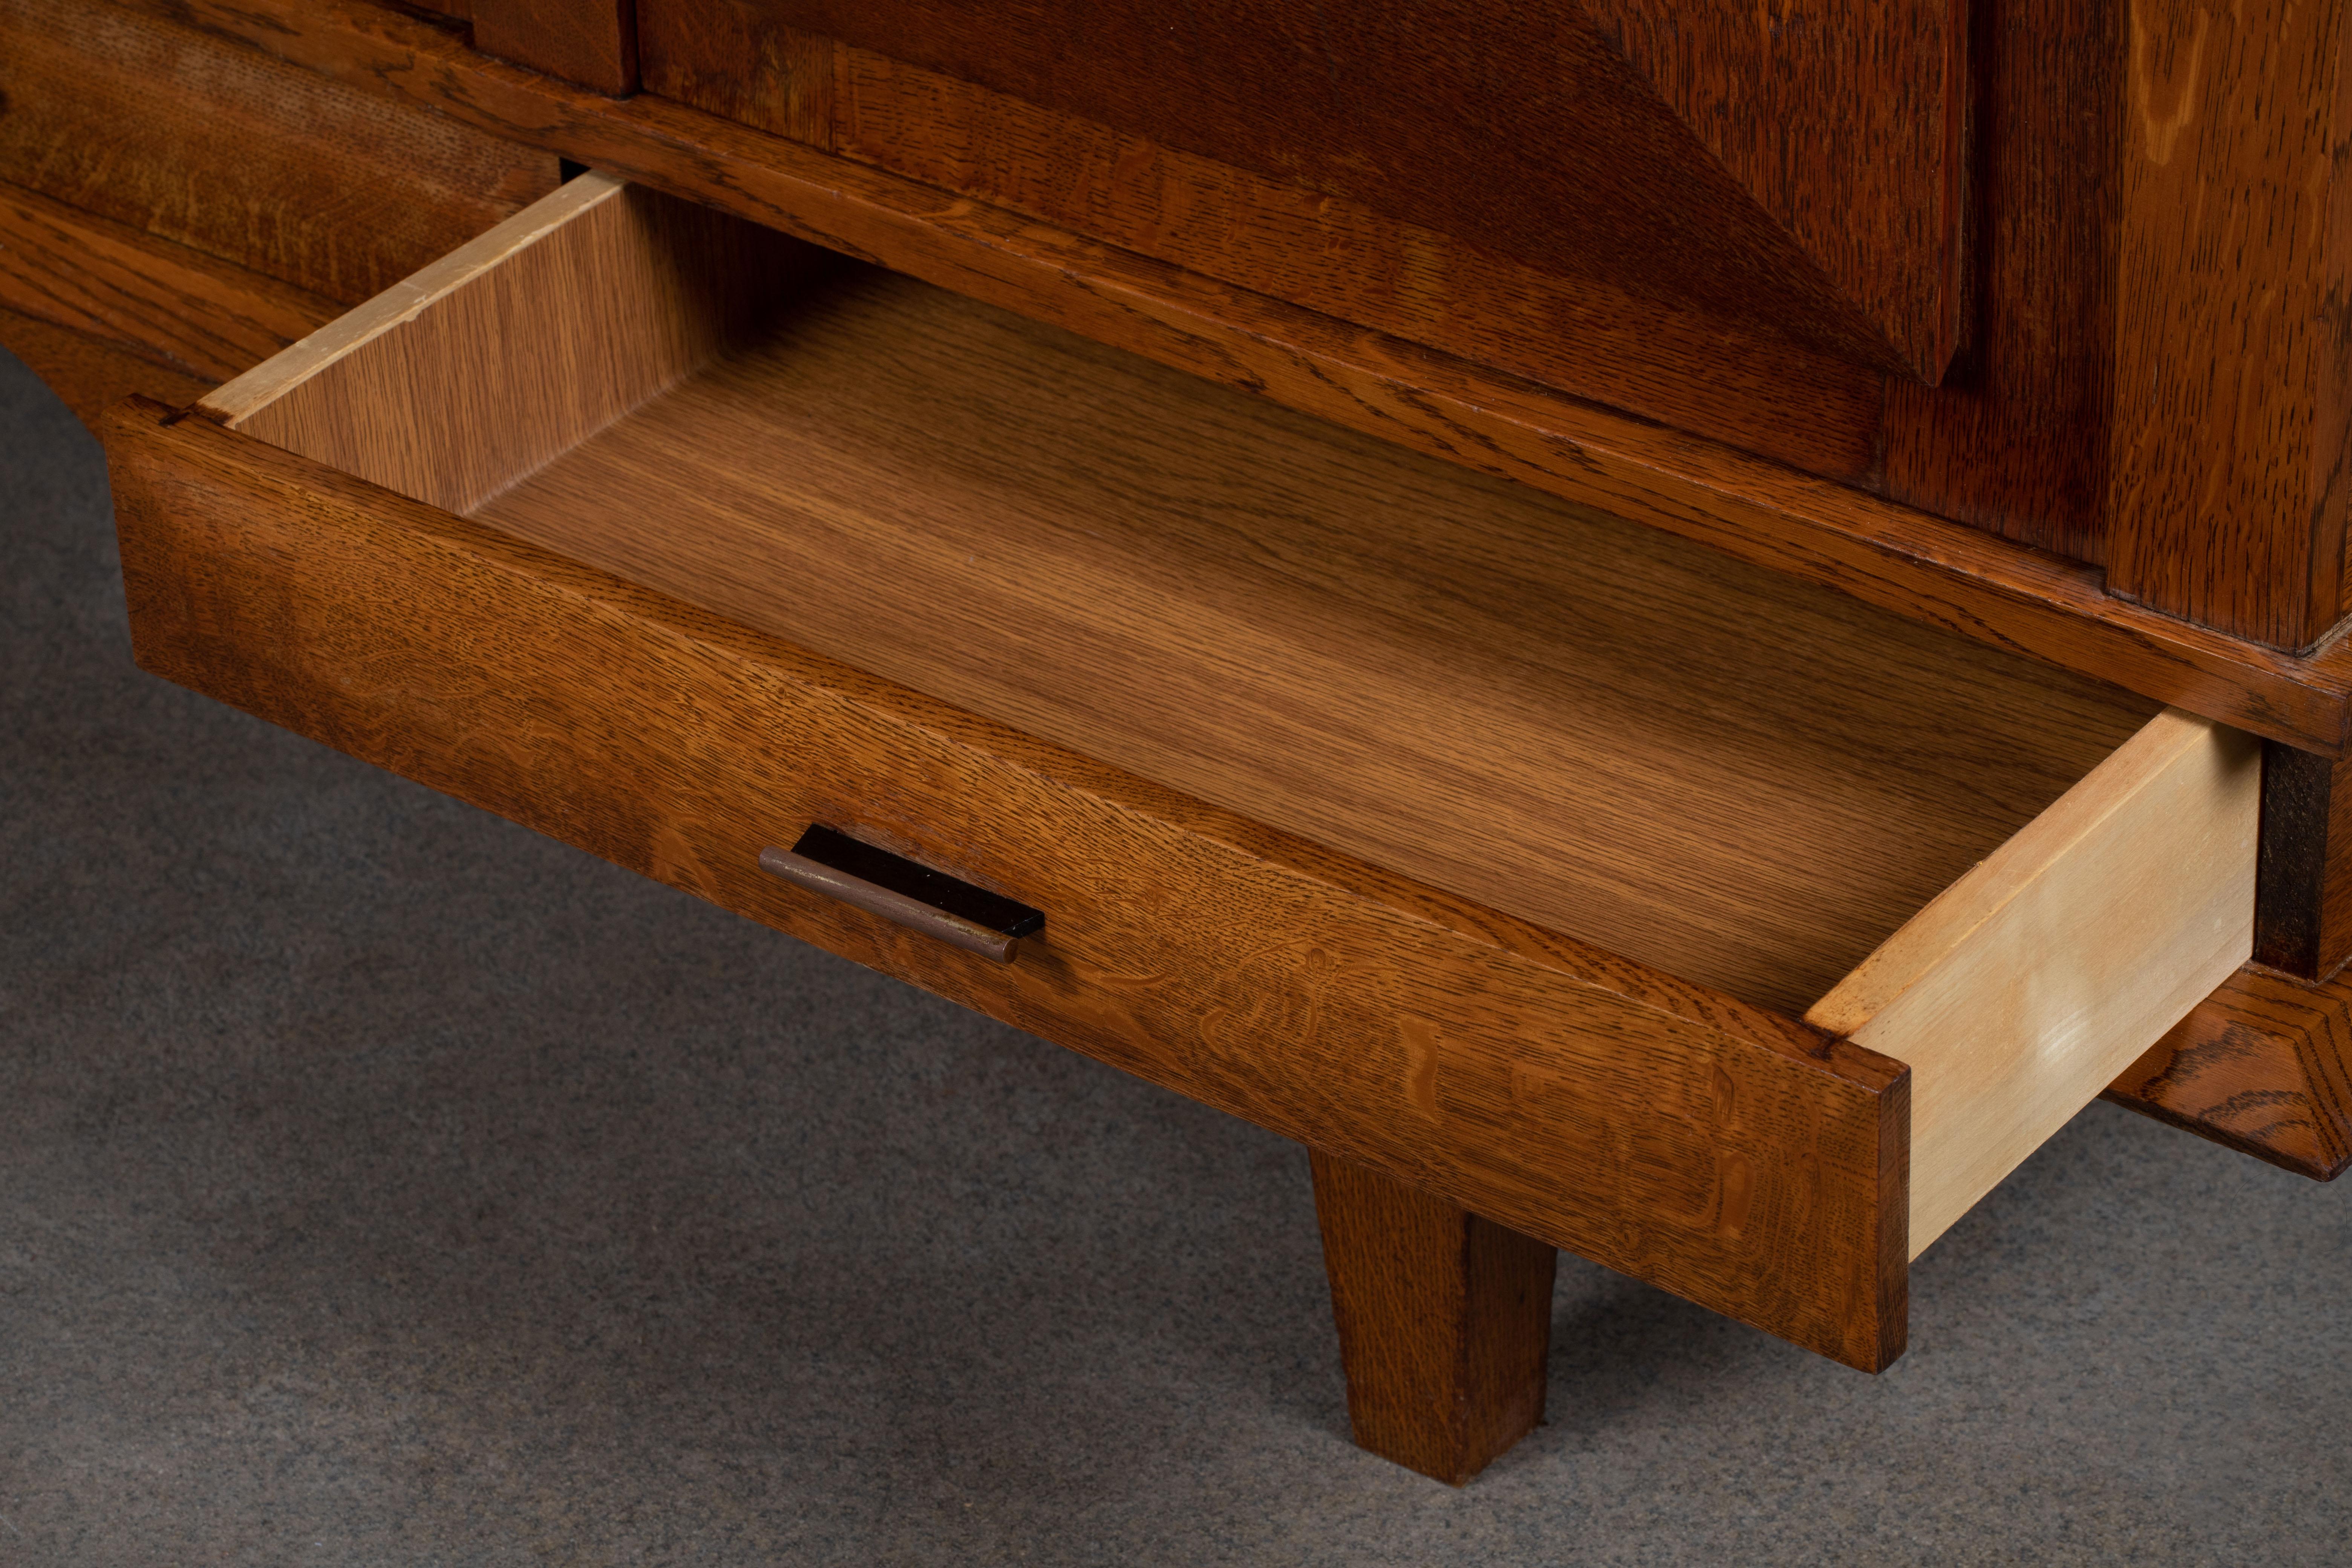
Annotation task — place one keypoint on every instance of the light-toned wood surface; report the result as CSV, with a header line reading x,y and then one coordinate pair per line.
x,y
2030,984
1739,779
452,384
1676,1134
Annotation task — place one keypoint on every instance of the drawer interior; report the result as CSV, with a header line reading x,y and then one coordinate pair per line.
x,y
1740,779
2008,877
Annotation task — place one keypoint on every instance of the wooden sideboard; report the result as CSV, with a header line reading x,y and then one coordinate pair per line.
x,y
1663,632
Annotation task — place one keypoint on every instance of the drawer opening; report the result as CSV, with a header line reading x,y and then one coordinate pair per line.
x,y
1739,779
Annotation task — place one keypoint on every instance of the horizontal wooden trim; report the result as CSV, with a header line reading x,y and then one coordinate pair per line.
x,y
1721,1152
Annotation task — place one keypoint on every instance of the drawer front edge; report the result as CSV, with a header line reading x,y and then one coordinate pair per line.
x,y
1727,1155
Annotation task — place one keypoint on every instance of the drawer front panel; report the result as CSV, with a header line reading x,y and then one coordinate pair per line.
x,y
1721,1152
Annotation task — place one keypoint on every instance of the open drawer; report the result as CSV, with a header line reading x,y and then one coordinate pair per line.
x,y
1713,926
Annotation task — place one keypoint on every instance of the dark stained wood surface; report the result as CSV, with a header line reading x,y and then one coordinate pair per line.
x,y
2303,914
2014,438
2233,344
1444,1321
2263,1066
176,307
1896,557
729,57
1732,776
1656,358
1764,175
274,169
1671,1132
592,42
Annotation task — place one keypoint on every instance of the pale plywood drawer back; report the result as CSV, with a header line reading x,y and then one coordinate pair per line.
x,y
2031,983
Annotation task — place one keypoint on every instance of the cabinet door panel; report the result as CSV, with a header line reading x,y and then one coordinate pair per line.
x,y
1792,168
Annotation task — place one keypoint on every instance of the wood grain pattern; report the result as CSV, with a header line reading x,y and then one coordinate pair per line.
x,y
2227,494
1610,732
729,57
1654,357
1847,122
2263,1065
2023,990
200,317
1444,1321
2303,904
88,374
1671,1132
239,157
2013,439
517,346
592,42
1686,154
1892,556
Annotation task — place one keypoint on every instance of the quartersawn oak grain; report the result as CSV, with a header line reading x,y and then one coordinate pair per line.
x,y
1898,558
88,374
2263,1065
192,139
1669,1131
1444,1321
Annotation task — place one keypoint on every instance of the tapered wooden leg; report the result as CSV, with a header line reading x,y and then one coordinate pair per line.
x,y
1444,1321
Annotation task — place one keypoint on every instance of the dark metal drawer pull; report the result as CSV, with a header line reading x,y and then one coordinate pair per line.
x,y
894,888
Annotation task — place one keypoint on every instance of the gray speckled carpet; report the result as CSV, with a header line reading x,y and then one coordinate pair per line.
x,y
380,1182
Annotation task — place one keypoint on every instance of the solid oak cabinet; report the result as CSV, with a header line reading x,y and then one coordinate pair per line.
x,y
1548,600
